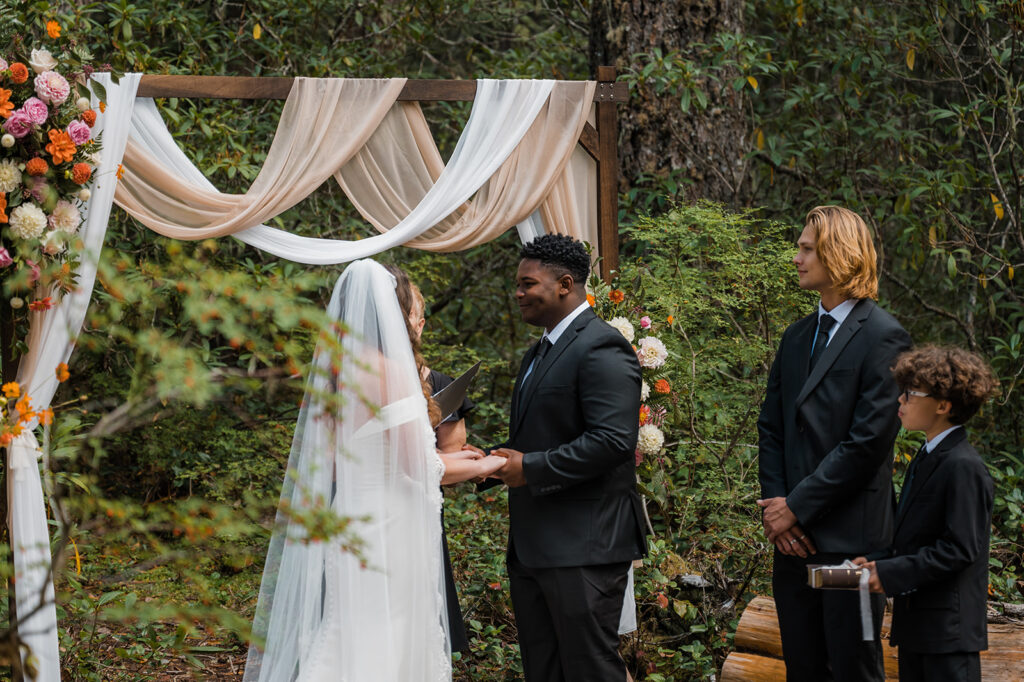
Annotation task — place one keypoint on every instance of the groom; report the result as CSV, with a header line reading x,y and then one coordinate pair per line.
x,y
575,516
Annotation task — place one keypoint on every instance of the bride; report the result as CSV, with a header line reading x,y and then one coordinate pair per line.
x,y
353,588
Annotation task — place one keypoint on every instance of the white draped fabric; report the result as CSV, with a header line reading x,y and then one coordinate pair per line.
x,y
50,341
502,113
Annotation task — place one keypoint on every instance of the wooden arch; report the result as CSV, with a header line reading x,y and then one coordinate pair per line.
x,y
600,142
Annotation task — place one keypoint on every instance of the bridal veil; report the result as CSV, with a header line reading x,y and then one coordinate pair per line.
x,y
353,588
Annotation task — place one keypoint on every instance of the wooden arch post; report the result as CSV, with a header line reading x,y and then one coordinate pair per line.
x,y
600,142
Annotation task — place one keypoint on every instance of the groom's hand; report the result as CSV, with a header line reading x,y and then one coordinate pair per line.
x,y
512,473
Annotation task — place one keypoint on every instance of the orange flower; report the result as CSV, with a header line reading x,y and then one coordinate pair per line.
x,y
11,390
41,304
61,147
36,166
23,406
62,372
89,116
670,319
3,207
53,29
19,72
591,300
80,173
46,417
103,107
662,386
6,438
120,171
6,105
616,296
645,414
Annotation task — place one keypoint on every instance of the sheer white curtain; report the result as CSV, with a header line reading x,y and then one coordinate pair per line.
x,y
51,339
502,113
324,613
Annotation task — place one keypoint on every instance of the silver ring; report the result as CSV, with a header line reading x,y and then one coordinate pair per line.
x,y
801,537
792,542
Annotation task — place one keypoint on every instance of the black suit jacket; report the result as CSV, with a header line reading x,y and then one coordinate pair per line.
x,y
938,574
826,437
577,427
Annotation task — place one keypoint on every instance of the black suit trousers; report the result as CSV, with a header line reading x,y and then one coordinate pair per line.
x,y
821,629
954,667
568,620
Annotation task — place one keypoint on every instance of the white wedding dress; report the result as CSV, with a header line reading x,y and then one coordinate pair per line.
x,y
333,608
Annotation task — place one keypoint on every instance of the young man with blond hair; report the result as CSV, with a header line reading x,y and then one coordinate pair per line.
x,y
826,434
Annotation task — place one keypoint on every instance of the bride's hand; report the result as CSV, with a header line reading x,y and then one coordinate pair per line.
x,y
490,464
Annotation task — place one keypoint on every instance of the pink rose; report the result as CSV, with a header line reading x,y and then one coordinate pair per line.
x,y
79,132
34,273
5,257
18,124
645,322
36,110
51,87
3,64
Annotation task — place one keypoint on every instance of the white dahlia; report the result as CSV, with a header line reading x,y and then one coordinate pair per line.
x,y
650,440
623,326
27,221
10,176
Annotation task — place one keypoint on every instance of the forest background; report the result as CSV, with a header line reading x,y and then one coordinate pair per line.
x,y
171,436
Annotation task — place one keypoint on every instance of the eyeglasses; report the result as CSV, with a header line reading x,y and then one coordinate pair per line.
x,y
918,394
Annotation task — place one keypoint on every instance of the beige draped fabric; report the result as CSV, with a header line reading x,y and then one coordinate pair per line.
x,y
324,122
400,162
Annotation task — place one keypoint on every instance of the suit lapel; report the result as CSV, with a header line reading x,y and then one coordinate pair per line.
x,y
927,467
546,363
847,330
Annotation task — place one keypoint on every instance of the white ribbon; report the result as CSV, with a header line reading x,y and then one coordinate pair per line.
x,y
865,603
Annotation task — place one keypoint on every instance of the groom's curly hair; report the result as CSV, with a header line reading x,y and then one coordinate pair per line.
x,y
561,253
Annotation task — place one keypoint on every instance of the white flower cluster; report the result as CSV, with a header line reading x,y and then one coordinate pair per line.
x,y
27,221
651,352
650,440
623,326
10,176
645,391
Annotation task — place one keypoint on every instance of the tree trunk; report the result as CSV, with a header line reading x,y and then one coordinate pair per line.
x,y
701,148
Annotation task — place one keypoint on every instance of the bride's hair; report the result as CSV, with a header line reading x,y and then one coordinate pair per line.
x,y
408,296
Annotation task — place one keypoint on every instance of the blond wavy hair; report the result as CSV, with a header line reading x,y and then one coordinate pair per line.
x,y
846,250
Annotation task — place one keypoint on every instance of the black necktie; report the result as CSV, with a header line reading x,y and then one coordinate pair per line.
x,y
909,478
542,350
825,324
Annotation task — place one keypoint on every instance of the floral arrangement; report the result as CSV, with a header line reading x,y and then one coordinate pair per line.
x,y
16,413
656,393
48,153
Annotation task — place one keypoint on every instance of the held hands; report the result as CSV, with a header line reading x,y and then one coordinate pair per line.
x,y
874,582
511,469
781,529
512,472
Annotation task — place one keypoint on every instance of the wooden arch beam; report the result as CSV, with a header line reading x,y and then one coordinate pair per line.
x,y
600,142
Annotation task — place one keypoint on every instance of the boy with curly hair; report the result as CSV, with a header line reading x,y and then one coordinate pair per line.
x,y
937,567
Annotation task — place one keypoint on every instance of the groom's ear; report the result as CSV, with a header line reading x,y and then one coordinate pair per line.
x,y
566,284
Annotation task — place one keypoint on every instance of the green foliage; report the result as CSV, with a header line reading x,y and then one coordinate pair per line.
x,y
727,282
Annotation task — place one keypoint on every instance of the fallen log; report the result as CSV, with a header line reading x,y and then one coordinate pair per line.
x,y
758,654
